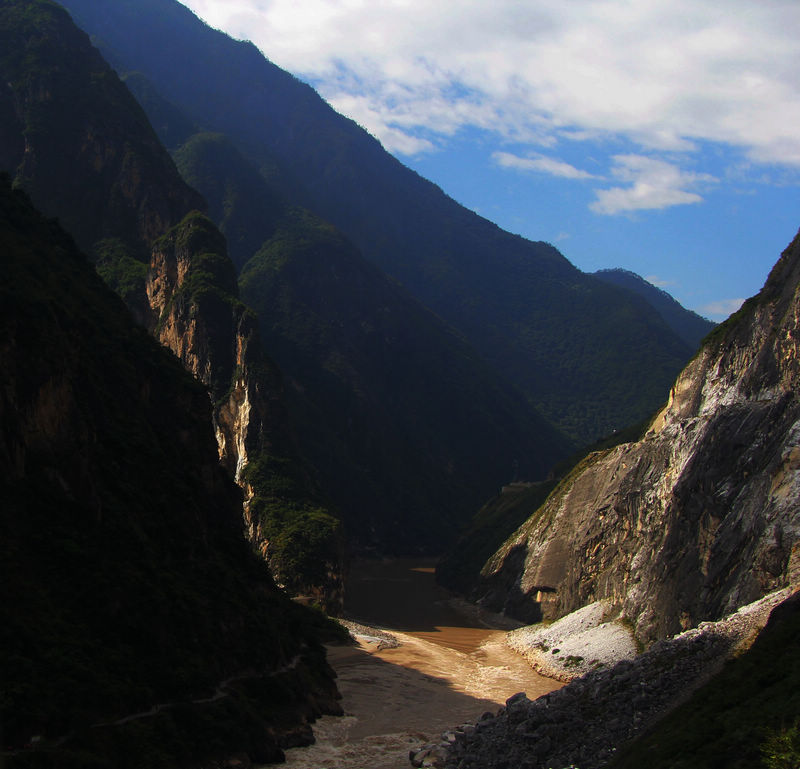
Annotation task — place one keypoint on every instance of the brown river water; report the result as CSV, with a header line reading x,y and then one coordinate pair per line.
x,y
447,670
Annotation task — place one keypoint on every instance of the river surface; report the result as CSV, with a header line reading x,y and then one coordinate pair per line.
x,y
447,670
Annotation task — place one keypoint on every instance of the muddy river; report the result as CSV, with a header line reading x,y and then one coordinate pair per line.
x,y
447,670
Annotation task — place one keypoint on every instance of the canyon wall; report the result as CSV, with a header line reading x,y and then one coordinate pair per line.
x,y
699,517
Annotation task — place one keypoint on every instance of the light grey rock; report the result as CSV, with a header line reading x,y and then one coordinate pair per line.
x,y
699,517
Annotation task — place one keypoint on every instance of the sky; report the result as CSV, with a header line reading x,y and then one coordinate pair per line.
x,y
660,136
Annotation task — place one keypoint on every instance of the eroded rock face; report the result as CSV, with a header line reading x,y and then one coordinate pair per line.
x,y
698,518
195,311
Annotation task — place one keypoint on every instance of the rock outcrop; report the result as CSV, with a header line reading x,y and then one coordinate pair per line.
x,y
699,517
76,140
585,723
137,627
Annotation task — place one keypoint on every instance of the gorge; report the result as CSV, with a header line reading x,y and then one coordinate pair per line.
x,y
242,348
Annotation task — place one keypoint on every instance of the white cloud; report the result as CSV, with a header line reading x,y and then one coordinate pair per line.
x,y
659,282
721,309
665,74
653,184
541,163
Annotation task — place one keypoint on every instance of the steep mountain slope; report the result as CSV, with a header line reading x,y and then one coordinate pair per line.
x,y
77,141
688,325
125,580
398,479
745,716
408,428
407,425
701,515
593,357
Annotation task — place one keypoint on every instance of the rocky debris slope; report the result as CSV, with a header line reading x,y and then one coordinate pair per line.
x,y
590,638
701,515
585,722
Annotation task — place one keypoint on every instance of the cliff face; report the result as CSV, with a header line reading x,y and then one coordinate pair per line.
x,y
192,293
193,297
699,517
76,140
125,581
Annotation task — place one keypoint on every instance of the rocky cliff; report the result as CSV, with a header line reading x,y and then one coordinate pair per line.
x,y
137,628
195,311
699,517
75,139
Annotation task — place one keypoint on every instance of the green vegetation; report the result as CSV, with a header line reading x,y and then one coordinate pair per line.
x,y
304,543
240,201
592,357
122,271
747,716
688,325
781,748
125,579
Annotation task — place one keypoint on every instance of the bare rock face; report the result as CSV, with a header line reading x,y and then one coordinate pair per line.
x,y
195,311
698,518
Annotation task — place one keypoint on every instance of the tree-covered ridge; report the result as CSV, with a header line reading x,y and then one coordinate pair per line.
x,y
409,429
592,357
688,325
96,163
126,581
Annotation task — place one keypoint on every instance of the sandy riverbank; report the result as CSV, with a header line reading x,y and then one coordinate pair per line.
x,y
396,699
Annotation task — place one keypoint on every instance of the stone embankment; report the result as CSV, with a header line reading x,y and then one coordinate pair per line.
x,y
582,724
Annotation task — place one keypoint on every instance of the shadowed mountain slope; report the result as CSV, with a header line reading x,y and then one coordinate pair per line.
x,y
126,581
78,142
406,438
408,428
591,356
688,325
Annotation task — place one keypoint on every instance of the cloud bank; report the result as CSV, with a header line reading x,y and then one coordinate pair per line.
x,y
664,76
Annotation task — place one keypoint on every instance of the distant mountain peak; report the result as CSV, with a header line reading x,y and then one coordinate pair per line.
x,y
687,324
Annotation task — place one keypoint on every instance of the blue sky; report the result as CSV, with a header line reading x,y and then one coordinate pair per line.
x,y
662,136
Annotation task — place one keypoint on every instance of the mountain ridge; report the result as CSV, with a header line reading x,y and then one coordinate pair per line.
x,y
568,342
700,515
690,326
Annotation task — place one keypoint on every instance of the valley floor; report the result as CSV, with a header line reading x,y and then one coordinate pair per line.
x,y
441,672
397,699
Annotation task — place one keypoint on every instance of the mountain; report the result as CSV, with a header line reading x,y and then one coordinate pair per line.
x,y
594,358
407,427
405,430
127,588
697,518
688,325
76,140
